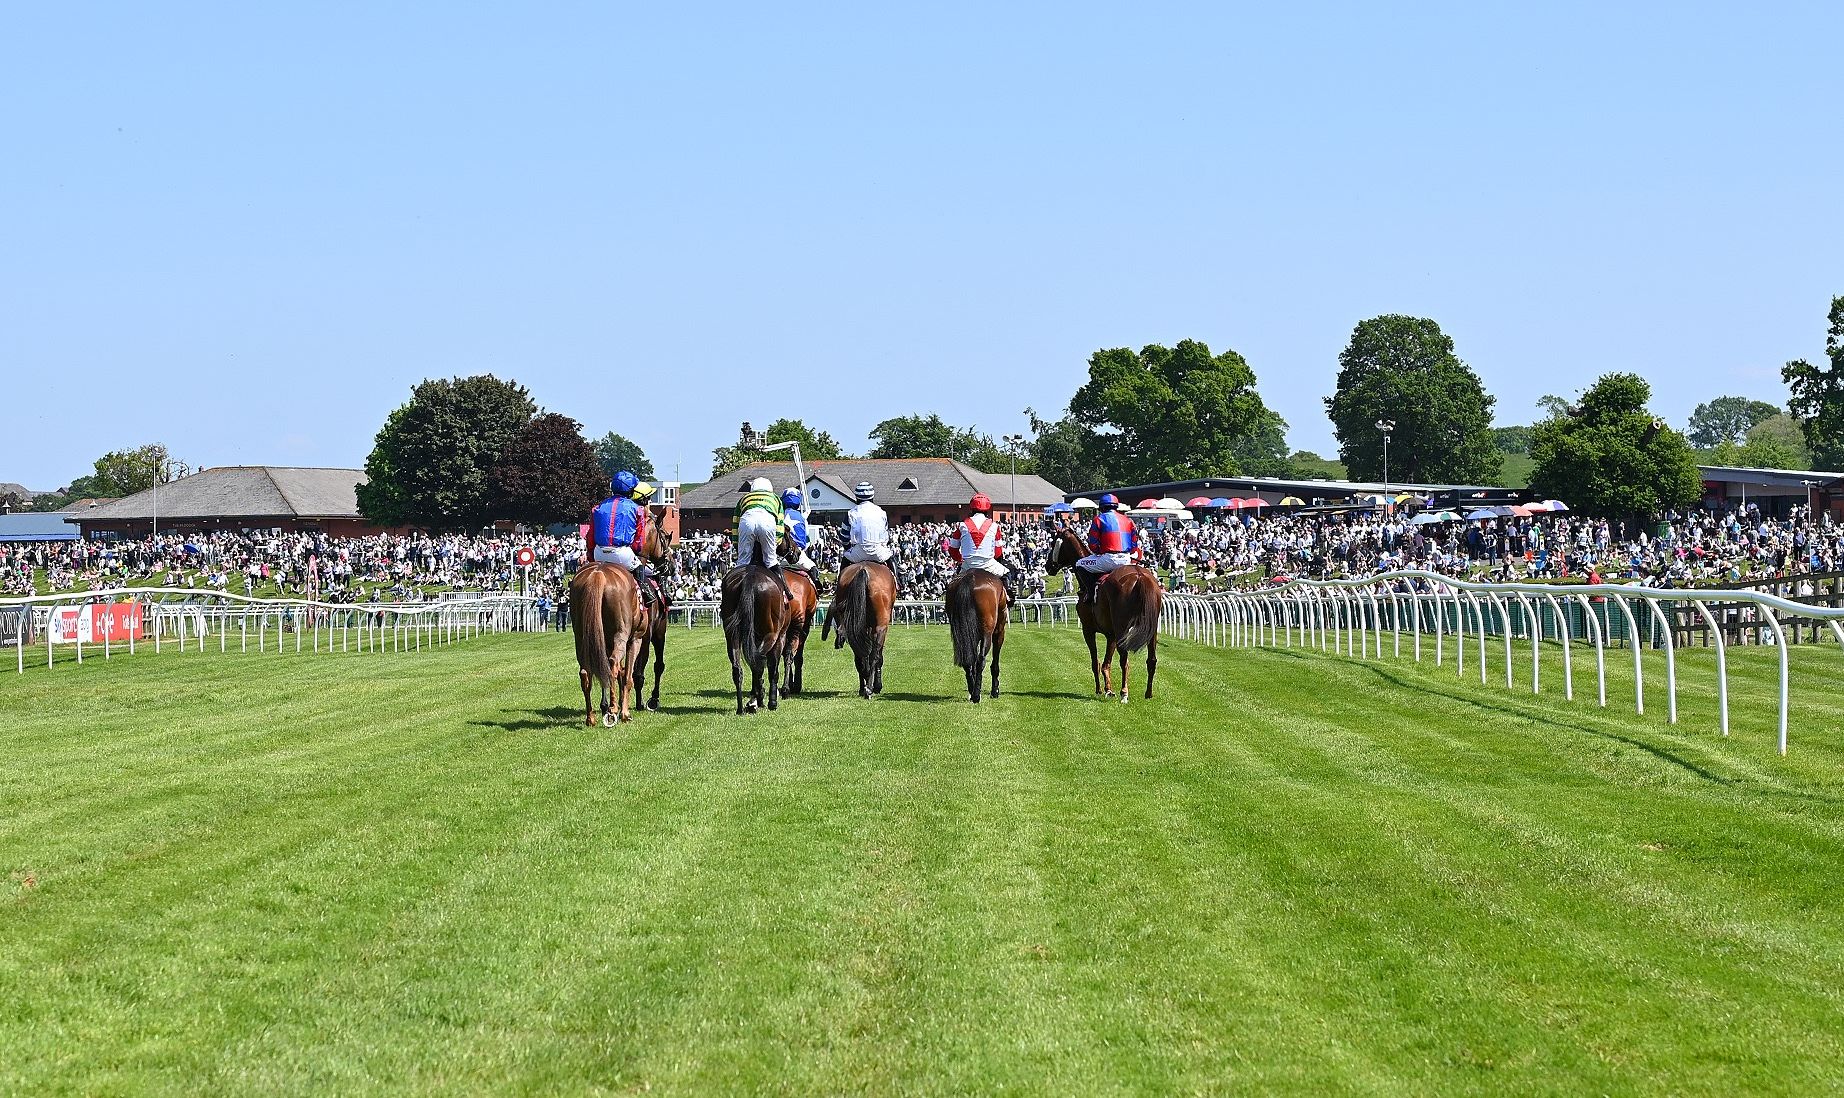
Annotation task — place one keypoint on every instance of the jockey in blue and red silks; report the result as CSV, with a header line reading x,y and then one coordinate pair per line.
x,y
1113,542
618,525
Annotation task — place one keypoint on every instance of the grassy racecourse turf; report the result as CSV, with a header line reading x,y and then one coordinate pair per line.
x,y
419,873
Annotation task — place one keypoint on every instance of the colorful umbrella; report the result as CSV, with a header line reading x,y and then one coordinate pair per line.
x,y
1198,501
1482,515
1222,502
1555,505
1253,503
1291,501
1059,509
1147,505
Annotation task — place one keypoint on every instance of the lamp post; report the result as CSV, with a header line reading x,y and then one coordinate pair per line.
x,y
1387,426
1012,443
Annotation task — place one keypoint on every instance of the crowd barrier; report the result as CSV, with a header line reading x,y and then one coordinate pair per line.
x,y
134,618
1353,617
1045,611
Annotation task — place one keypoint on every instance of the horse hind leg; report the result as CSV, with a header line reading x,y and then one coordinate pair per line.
x,y
736,676
659,671
998,644
588,705
1152,662
1126,688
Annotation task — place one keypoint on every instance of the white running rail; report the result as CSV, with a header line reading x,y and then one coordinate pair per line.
x,y
199,618
1359,617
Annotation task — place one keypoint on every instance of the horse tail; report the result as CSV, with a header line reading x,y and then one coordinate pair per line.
x,y
591,641
852,606
964,624
742,621
1141,607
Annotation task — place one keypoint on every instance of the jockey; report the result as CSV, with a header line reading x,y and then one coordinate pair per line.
x,y
760,522
868,532
797,532
1112,543
618,524
649,579
978,542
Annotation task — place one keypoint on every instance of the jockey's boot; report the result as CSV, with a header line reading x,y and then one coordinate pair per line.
x,y
1085,587
896,578
782,581
650,591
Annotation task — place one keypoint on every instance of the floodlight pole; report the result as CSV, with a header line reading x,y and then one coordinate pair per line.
x,y
1012,442
800,472
1387,426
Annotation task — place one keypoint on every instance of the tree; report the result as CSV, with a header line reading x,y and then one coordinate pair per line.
x,y
433,460
1613,458
1727,418
1511,440
1310,466
548,473
814,446
1065,453
614,453
1403,369
1774,443
1172,413
1818,395
912,437
1552,406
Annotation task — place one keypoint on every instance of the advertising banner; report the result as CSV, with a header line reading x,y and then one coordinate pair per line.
x,y
94,624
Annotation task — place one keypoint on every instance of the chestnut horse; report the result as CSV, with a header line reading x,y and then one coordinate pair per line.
x,y
860,612
976,618
801,608
1124,608
606,615
755,617
656,551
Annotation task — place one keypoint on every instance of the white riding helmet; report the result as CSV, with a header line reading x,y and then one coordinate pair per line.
x,y
864,491
761,484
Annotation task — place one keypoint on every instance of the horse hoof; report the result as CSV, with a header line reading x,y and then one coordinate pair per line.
x,y
749,707
608,720
1123,697
653,705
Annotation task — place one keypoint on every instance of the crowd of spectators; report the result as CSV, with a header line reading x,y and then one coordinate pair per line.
x,y
1693,549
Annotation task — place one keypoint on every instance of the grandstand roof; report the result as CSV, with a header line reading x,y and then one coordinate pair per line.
x,y
37,526
243,491
923,482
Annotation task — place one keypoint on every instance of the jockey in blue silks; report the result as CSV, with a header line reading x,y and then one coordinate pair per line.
x,y
618,526
798,535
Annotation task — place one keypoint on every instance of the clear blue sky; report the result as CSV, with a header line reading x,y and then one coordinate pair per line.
x,y
247,231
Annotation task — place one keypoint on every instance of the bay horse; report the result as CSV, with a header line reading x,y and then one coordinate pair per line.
x,y
1124,608
976,619
801,608
860,612
607,618
656,551
754,613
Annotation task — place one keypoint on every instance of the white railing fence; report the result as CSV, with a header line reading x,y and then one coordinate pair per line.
x,y
130,619
1361,617
1047,611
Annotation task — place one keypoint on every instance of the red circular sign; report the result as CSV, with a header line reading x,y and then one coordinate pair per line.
x,y
525,557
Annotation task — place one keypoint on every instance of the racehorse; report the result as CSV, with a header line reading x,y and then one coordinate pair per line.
x,y
755,614
976,618
606,615
656,551
801,608
860,612
1124,608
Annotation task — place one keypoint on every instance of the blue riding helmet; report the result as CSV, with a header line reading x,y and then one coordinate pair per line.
x,y
1107,502
624,483
791,498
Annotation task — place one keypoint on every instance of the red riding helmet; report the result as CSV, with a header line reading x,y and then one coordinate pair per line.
x,y
981,503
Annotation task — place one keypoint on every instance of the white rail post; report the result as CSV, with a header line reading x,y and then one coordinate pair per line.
x,y
1671,663
1562,631
1534,625
1632,638
1600,654
1780,637
1504,622
1722,663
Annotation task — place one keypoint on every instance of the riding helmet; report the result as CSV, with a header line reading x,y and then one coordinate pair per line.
x,y
864,491
761,484
790,497
624,483
1107,502
981,503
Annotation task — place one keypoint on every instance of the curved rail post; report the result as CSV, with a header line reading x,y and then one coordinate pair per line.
x,y
1632,638
1722,664
1600,649
1534,625
1562,630
1671,664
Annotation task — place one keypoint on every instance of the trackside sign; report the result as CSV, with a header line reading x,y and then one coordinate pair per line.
x,y
116,621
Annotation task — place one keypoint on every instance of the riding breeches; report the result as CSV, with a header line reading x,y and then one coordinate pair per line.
x,y
755,539
858,554
618,554
1104,562
988,565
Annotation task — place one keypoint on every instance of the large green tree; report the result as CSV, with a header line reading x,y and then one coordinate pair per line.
x,y
1613,458
548,473
1172,413
1726,419
919,436
1818,394
1403,369
614,453
115,474
1066,454
432,463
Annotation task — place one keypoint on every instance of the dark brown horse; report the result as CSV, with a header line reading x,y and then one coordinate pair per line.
x,y
1124,608
755,617
860,614
976,618
656,551
801,608
609,622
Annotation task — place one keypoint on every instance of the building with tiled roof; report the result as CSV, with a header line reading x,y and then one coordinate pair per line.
x,y
238,497
908,489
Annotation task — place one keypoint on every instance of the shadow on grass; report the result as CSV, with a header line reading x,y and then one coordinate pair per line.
x,y
532,720
1073,695
1539,717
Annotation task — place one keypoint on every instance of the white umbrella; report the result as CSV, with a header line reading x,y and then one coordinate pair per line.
x,y
1167,503
1083,503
